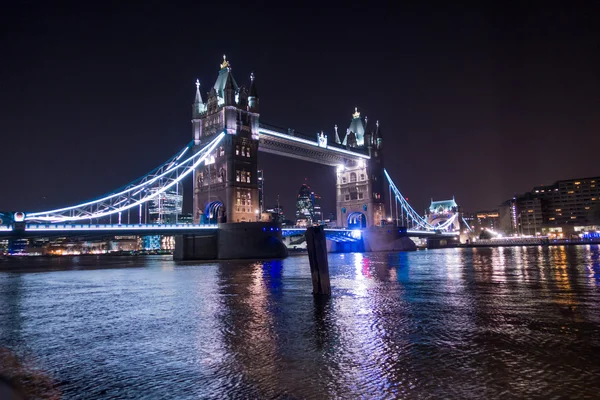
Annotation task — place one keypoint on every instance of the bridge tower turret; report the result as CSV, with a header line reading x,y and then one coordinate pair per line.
x,y
360,184
226,185
197,109
253,96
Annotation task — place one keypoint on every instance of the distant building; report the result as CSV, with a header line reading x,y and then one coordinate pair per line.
x,y
276,214
166,206
445,214
261,183
498,220
317,212
187,218
565,206
304,206
308,207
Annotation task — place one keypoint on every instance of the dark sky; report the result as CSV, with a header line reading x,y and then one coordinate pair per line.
x,y
480,102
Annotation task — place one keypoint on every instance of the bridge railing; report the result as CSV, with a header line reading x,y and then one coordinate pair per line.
x,y
116,227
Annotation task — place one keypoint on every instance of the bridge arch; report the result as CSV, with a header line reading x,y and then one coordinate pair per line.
x,y
357,220
213,212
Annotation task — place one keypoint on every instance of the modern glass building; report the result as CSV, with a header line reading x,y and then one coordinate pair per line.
x,y
308,207
261,181
304,206
318,213
166,207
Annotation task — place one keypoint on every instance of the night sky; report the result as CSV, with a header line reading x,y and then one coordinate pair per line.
x,y
479,102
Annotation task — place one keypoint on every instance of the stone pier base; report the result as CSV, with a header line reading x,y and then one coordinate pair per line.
x,y
232,241
387,238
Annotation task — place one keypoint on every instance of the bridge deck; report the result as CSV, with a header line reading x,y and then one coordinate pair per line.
x,y
158,229
279,141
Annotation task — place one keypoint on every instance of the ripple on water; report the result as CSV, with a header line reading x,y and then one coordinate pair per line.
x,y
468,323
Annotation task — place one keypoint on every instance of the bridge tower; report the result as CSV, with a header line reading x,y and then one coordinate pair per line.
x,y
439,212
226,185
360,184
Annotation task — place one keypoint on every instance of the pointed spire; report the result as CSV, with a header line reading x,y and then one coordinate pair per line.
x,y
225,63
253,91
253,96
198,99
229,84
337,137
229,90
198,107
356,113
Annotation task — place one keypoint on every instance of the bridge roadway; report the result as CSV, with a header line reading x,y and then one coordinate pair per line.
x,y
46,230
276,140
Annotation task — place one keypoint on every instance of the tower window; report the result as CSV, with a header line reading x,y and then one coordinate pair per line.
x,y
343,179
237,176
237,150
362,177
352,177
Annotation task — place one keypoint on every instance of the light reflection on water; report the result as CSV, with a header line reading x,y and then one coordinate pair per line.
x,y
455,323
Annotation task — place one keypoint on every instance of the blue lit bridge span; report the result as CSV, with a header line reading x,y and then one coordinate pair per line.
x,y
135,195
222,161
85,217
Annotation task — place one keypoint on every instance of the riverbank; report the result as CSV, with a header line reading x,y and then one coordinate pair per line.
x,y
508,242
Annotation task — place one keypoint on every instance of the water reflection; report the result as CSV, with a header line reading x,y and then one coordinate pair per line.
x,y
503,322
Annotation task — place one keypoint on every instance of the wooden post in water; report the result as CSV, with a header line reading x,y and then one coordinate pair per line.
x,y
317,255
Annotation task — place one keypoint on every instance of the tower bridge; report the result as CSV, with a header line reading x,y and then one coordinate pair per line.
x,y
222,159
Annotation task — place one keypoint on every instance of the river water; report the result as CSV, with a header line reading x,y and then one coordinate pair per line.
x,y
456,323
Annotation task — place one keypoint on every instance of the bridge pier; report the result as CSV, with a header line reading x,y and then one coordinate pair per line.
x,y
317,256
387,238
441,243
232,241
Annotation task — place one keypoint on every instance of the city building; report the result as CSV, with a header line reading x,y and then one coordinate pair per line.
x,y
261,195
166,206
276,214
317,212
497,220
304,206
444,212
564,207
308,207
186,218
488,219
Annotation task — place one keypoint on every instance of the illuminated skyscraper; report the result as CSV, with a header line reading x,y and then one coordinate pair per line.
x,y
165,207
260,190
317,214
304,207
308,207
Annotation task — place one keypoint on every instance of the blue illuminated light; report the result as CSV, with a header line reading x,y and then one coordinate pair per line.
x,y
191,163
591,235
356,234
